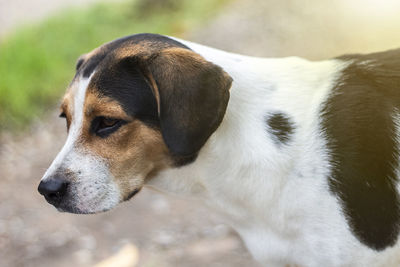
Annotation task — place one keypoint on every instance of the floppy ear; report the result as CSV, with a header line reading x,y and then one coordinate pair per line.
x,y
192,95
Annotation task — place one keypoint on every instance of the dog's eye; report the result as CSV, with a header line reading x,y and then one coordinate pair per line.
x,y
104,126
107,122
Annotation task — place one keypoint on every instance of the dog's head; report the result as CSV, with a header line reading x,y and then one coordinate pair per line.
x,y
136,106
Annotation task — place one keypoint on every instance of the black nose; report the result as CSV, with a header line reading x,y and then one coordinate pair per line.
x,y
53,189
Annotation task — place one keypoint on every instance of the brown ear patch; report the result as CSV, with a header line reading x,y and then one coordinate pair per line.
x,y
193,96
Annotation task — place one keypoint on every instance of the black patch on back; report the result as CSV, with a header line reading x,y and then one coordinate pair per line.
x,y
280,127
358,123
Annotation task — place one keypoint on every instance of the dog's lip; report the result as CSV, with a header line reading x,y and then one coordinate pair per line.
x,y
131,194
73,209
55,203
69,205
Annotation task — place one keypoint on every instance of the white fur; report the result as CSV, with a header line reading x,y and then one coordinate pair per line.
x,y
79,86
276,197
93,187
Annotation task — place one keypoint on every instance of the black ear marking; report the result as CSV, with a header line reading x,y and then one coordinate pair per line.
x,y
358,123
194,94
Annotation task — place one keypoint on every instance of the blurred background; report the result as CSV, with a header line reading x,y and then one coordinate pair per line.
x,y
40,41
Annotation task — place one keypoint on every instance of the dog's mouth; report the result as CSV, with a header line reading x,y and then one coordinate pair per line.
x,y
75,210
71,206
71,203
134,192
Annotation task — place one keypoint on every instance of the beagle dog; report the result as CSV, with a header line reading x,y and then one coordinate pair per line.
x,y
300,157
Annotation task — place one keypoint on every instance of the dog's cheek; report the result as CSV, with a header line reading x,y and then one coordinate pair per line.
x,y
141,153
132,154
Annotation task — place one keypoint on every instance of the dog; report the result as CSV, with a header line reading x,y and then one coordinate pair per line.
x,y
300,157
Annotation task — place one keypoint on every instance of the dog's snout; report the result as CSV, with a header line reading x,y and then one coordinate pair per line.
x,y
53,189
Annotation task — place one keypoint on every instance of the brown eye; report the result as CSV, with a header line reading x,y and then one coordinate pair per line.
x,y
104,126
108,122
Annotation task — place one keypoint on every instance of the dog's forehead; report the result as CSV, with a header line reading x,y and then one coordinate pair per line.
x,y
111,52
81,101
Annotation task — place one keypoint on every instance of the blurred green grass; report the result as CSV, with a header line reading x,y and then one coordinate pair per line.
x,y
37,61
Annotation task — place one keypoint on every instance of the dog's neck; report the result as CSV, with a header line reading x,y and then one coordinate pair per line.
x,y
243,167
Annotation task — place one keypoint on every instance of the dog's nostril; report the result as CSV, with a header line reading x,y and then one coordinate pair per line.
x,y
53,189
53,196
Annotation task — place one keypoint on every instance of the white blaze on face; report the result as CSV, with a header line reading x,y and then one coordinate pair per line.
x,y
92,188
79,88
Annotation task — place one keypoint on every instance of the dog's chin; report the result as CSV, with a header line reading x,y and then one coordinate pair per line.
x,y
76,210
78,207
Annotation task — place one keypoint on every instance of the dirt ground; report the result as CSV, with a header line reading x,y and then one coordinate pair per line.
x,y
168,231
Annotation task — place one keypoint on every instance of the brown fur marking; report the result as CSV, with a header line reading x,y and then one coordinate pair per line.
x,y
133,153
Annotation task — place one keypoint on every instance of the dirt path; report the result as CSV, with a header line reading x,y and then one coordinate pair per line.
x,y
167,231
